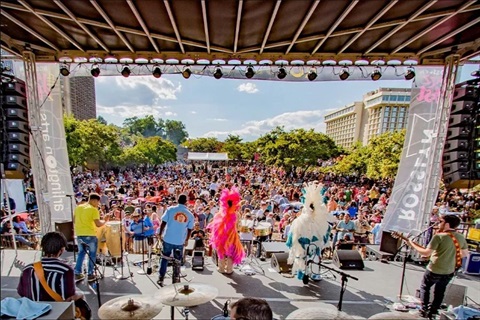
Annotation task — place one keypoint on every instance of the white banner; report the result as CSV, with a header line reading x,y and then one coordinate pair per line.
x,y
55,156
14,188
409,192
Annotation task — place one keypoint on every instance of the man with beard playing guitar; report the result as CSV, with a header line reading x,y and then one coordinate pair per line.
x,y
445,250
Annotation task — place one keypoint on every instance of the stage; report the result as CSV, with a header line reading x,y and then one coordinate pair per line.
x,y
378,286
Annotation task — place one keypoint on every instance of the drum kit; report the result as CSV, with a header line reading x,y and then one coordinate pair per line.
x,y
137,307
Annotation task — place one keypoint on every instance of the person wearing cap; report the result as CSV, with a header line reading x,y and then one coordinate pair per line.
x,y
140,227
86,217
177,224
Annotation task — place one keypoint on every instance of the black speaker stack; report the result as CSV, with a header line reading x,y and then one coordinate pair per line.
x,y
461,154
14,128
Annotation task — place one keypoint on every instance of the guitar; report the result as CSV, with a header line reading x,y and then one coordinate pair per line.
x,y
82,309
399,235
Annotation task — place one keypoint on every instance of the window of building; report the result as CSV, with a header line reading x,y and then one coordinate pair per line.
x,y
401,98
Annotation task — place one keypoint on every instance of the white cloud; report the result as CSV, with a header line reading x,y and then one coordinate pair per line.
x,y
248,87
193,112
170,114
132,111
163,89
290,120
218,119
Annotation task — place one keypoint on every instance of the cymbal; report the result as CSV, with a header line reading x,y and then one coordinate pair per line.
x,y
186,294
317,313
130,307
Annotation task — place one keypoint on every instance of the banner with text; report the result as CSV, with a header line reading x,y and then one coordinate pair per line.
x,y
55,156
409,192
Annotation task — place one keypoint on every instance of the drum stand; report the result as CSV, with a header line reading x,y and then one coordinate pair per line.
x,y
251,265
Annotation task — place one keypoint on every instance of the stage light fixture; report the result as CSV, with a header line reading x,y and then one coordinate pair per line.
x,y
95,71
218,73
64,70
281,73
126,71
250,73
312,75
376,75
410,74
157,73
344,74
186,73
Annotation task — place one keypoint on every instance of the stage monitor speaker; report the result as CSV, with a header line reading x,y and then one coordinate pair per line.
x,y
348,259
279,262
66,228
390,244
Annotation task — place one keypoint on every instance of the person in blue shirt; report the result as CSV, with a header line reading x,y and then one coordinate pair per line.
x,y
177,224
141,229
345,226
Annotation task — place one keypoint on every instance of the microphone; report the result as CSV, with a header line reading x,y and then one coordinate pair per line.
x,y
225,308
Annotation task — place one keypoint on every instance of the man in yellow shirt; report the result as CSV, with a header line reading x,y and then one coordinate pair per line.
x,y
86,218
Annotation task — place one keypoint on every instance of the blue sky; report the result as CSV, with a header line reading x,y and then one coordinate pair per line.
x,y
215,108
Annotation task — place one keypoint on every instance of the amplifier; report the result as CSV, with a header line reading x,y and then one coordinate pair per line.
x,y
348,259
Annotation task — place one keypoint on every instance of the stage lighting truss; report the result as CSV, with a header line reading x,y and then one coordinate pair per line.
x,y
126,71
65,70
281,73
410,74
312,75
95,71
376,74
186,73
157,72
218,74
344,74
250,72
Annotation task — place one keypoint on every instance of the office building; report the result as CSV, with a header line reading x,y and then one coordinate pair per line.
x,y
382,110
78,95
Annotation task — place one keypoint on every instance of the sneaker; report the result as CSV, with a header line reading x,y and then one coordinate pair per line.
x,y
79,277
160,281
91,278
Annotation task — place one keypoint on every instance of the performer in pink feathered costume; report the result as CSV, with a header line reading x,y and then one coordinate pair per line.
x,y
224,236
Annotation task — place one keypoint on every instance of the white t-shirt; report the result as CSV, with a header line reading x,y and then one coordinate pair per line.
x,y
246,235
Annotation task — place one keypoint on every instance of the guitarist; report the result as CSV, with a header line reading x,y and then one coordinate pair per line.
x,y
59,275
445,258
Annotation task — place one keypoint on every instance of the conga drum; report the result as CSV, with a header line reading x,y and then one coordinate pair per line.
x,y
262,229
102,241
113,230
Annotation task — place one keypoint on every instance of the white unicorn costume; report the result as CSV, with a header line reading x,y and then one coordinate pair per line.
x,y
310,230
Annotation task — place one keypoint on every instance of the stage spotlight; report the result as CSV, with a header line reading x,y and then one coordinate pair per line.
x,y
376,75
64,70
157,73
126,71
218,73
344,74
250,73
312,75
410,74
186,73
95,72
281,73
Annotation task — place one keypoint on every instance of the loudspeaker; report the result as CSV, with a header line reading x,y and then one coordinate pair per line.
x,y
279,262
197,260
348,259
390,244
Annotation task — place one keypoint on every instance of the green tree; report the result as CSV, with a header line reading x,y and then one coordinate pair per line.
x,y
203,145
175,131
149,150
384,154
233,147
353,162
102,120
146,126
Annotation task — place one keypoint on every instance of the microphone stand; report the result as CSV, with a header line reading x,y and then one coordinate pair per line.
x,y
345,277
404,265
73,229
142,271
95,268
121,276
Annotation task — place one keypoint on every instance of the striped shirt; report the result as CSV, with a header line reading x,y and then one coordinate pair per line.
x,y
59,276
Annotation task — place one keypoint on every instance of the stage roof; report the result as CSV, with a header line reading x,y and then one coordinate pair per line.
x,y
248,31
207,156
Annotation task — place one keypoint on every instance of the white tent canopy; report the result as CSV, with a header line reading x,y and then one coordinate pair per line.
x,y
207,156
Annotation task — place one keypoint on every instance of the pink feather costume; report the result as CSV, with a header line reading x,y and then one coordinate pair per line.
x,y
224,236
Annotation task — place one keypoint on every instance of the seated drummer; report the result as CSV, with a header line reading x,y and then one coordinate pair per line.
x,y
198,235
